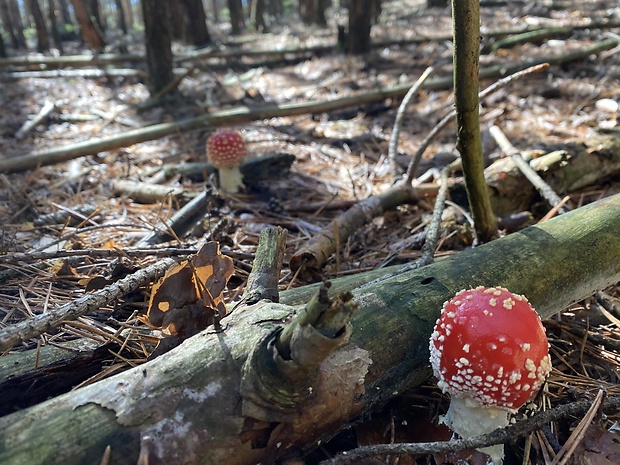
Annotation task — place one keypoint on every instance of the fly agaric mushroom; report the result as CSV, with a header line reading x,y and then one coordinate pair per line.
x,y
226,150
490,352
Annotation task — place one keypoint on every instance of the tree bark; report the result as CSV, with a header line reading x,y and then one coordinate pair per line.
x,y
43,40
358,40
257,15
120,12
223,398
90,34
64,12
235,9
198,33
54,26
466,21
2,48
94,9
129,14
158,44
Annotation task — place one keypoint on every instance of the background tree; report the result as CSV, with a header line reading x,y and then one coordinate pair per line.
x,y
120,15
275,9
197,22
94,9
158,44
64,12
129,13
90,34
11,26
2,49
437,3
43,40
313,11
215,10
257,15
358,40
235,9
51,5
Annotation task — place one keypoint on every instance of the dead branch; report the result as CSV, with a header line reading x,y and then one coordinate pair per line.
x,y
244,114
22,331
28,126
499,436
265,275
311,258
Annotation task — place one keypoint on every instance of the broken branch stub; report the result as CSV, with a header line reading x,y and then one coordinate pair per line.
x,y
279,373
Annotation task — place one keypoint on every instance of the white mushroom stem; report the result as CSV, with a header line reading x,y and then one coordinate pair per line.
x,y
231,179
467,418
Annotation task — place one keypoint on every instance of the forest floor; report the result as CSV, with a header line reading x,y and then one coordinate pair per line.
x,y
340,158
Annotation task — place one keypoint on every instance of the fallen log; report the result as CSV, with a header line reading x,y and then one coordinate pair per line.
x,y
209,401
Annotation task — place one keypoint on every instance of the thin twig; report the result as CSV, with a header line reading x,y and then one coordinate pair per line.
x,y
499,436
415,160
24,330
530,173
398,121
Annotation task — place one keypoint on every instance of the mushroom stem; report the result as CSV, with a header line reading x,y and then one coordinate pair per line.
x,y
231,179
467,419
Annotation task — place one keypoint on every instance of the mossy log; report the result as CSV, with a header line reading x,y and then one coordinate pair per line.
x,y
192,404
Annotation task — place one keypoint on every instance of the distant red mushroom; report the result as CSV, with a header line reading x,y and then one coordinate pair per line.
x,y
226,150
489,351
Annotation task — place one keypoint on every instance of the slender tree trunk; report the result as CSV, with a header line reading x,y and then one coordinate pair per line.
x,y
17,22
358,40
158,44
64,12
120,11
215,10
5,14
2,48
94,9
235,8
90,34
198,33
54,25
257,15
275,9
43,40
129,17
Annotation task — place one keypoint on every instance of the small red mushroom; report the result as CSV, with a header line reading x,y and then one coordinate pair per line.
x,y
489,351
226,150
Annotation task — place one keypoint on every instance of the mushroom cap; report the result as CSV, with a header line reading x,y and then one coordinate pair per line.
x,y
489,345
226,148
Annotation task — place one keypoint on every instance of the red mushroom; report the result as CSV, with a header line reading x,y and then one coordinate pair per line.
x,y
490,352
226,150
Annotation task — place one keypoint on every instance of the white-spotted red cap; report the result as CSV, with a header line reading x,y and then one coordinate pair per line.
x,y
226,148
490,345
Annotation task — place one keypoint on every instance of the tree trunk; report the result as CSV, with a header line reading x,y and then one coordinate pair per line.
x,y
54,25
5,14
90,34
234,398
275,9
2,48
129,18
120,11
64,12
94,9
178,21
43,40
358,39
215,11
257,15
198,33
235,9
158,44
